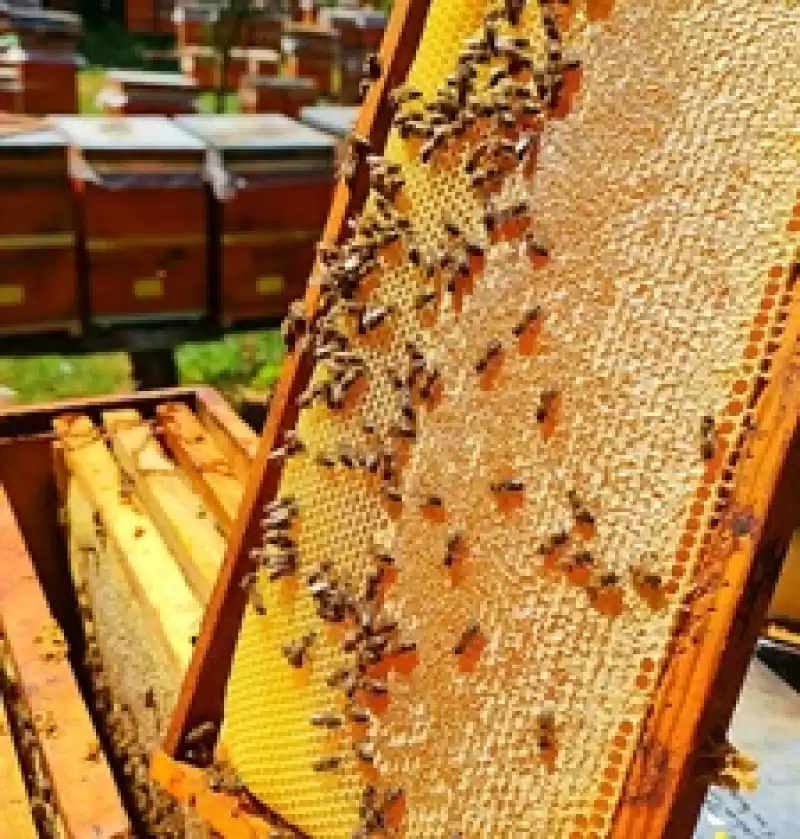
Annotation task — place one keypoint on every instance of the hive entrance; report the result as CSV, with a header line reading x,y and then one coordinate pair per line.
x,y
552,453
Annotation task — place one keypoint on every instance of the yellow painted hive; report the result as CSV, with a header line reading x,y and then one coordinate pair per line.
x,y
535,356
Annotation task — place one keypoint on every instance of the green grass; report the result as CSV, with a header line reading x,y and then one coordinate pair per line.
x,y
252,360
90,82
247,360
49,378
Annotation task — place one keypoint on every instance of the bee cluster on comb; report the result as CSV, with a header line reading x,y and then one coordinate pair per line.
x,y
488,517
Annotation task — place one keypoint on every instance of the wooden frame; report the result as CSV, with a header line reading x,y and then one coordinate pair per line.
x,y
666,779
85,793
210,666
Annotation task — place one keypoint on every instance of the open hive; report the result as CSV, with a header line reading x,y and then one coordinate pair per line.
x,y
147,504
555,379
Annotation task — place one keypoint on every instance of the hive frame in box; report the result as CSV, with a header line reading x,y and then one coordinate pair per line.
x,y
85,790
86,796
667,778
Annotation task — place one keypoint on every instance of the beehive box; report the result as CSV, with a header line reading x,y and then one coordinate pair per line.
x,y
263,62
125,549
44,59
359,34
142,92
43,29
192,25
272,180
141,16
143,217
263,29
534,448
309,50
48,80
201,64
276,94
38,281
337,120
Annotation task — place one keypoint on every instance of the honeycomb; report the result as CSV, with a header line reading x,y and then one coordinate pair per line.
x,y
543,518
137,644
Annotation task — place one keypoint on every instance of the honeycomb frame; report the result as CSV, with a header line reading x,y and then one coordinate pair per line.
x,y
723,546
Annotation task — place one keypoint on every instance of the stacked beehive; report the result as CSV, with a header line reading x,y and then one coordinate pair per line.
x,y
44,60
142,210
310,50
150,16
38,281
276,95
272,180
359,33
146,537
527,451
256,50
143,92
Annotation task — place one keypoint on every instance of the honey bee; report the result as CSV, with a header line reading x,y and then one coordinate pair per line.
x,y
708,434
365,751
546,731
456,549
295,652
327,719
508,485
467,637
546,403
328,764
250,585
513,11
371,67
582,559
528,319
557,540
402,95
646,579
493,349
373,584
359,716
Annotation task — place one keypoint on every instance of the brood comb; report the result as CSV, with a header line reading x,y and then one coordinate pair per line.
x,y
555,376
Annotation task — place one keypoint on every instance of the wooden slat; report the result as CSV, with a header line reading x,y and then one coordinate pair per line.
x,y
202,695
182,519
155,576
199,456
237,441
17,821
86,795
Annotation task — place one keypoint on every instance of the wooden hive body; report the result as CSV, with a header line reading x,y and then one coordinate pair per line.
x,y
271,180
38,278
143,217
142,92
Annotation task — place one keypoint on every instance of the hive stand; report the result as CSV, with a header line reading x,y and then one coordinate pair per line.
x,y
667,781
